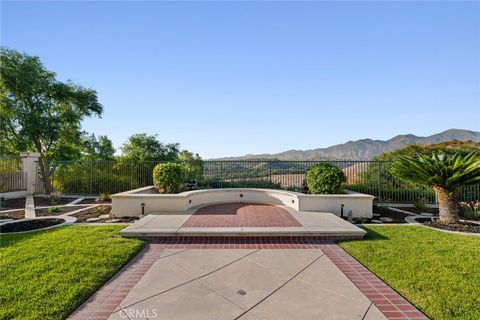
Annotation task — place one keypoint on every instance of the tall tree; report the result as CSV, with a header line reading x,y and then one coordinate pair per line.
x,y
100,148
143,147
38,112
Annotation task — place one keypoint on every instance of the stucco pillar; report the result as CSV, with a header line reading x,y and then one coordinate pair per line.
x,y
29,164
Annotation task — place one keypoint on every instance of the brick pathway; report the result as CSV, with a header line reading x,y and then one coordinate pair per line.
x,y
241,215
108,297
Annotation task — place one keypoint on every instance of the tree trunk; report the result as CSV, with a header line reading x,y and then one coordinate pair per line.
x,y
448,206
45,174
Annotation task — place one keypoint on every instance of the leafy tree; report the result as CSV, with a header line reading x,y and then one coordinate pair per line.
x,y
446,175
100,148
447,148
38,112
142,147
193,165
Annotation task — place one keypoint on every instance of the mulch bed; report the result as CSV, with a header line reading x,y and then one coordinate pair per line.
x,y
44,212
14,204
93,201
417,211
92,213
398,217
17,214
28,225
460,227
46,201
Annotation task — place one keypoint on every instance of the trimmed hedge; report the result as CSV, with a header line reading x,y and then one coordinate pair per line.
x,y
169,177
325,178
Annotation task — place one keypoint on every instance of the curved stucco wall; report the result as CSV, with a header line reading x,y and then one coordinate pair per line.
x,y
130,203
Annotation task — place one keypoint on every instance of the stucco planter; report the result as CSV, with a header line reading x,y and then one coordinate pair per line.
x,y
129,203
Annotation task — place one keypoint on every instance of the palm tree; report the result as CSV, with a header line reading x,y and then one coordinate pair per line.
x,y
446,175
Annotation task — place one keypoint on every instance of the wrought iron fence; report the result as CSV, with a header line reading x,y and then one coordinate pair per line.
x,y
12,177
371,177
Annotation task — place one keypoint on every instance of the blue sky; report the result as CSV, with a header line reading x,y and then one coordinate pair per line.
x,y
231,78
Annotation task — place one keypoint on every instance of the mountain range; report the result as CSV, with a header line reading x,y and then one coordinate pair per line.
x,y
364,149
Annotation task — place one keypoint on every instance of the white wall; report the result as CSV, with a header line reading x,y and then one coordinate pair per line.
x,y
129,203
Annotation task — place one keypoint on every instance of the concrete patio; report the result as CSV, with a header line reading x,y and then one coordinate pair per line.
x,y
233,219
245,284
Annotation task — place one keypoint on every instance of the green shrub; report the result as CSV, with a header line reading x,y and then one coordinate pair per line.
x,y
421,206
325,178
240,183
54,210
104,196
470,210
169,177
75,179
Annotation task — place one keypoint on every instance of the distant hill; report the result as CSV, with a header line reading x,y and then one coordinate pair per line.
x,y
364,149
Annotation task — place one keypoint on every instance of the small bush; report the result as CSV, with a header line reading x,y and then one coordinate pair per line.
x,y
54,210
54,198
470,210
422,207
169,177
325,178
380,209
240,183
104,196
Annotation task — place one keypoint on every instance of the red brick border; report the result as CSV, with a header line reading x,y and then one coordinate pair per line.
x,y
392,305
103,302
231,242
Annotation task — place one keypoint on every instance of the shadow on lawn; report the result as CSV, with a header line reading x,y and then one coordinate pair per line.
x,y
373,235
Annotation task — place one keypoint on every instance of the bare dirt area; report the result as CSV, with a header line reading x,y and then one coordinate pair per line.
x,y
96,212
16,215
385,212
63,210
94,201
47,201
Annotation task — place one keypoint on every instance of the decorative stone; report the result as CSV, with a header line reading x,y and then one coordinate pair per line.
x,y
377,221
386,219
104,216
93,219
112,221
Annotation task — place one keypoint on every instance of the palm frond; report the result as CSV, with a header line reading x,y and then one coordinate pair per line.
x,y
447,173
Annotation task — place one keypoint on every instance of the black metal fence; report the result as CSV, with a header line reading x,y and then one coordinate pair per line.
x,y
371,177
12,177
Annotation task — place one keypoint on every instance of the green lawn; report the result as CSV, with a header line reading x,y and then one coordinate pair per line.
x,y
47,274
438,272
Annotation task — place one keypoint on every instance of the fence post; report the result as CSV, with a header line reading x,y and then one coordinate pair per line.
x,y
378,183
91,177
29,168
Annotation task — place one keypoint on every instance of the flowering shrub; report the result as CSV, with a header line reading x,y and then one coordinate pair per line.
x,y
470,210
